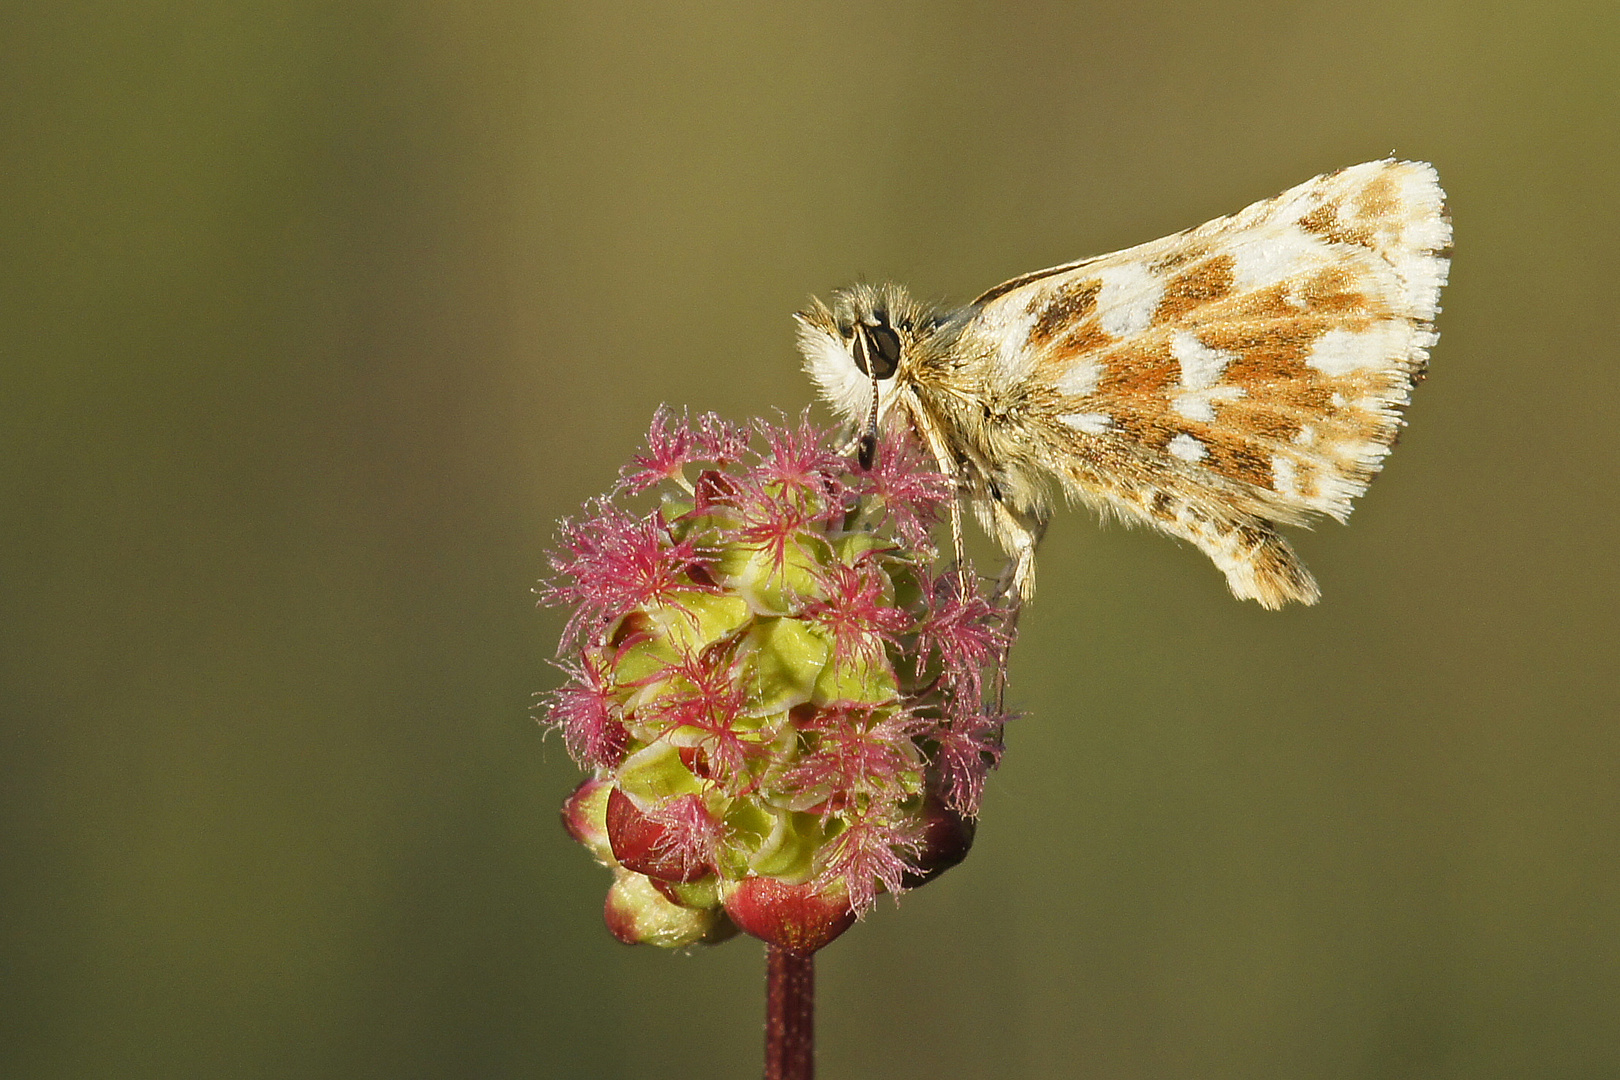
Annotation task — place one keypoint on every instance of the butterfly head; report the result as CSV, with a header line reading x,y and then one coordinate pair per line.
x,y
861,348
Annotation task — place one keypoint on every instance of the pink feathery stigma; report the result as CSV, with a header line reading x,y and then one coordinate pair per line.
x,y
858,756
797,462
690,835
670,448
909,492
702,691
674,443
771,522
968,749
872,851
584,710
855,611
722,442
617,564
965,633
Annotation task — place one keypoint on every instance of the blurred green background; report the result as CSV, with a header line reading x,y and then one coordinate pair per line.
x,y
317,315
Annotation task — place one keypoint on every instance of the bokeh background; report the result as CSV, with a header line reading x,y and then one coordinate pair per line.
x,y
316,315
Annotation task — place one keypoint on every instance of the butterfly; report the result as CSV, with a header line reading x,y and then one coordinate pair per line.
x,y
1213,384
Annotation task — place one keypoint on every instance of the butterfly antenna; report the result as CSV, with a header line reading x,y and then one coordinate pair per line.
x,y
867,453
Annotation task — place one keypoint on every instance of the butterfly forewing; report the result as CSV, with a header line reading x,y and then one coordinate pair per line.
x,y
1259,360
1273,348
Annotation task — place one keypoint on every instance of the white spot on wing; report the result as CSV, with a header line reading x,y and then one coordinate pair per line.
x,y
1273,251
1283,475
1201,369
1129,296
1200,405
1187,448
1339,352
1092,423
1081,378
1201,366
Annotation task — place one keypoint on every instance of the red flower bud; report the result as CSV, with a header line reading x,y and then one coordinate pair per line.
x,y
947,835
792,917
647,846
637,914
584,815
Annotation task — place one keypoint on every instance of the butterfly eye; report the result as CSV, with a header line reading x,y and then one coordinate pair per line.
x,y
877,351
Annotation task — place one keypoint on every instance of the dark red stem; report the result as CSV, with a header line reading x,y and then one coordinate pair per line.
x,y
790,1014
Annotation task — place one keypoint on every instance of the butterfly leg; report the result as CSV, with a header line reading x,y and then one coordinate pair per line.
x,y
958,545
1010,627
1018,531
934,440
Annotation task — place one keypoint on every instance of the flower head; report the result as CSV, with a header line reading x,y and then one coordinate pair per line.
x,y
780,699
